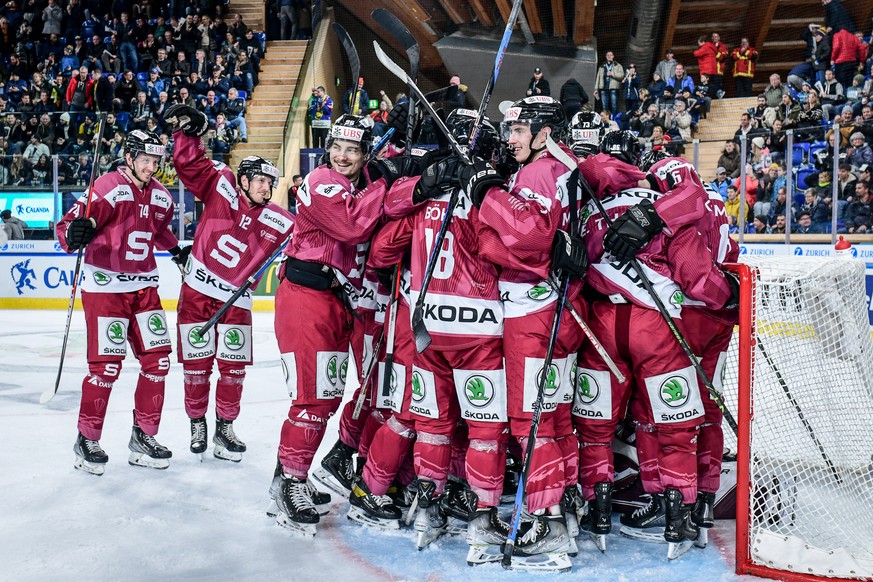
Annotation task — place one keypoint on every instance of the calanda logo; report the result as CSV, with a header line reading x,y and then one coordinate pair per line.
x,y
479,390
234,339
418,390
102,278
539,292
589,389
553,380
195,339
115,332
674,391
157,325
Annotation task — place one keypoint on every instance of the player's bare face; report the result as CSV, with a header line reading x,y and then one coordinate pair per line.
x,y
519,141
346,158
260,189
144,166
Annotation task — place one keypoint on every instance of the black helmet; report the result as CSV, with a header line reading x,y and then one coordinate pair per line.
x,y
141,141
622,145
538,111
252,166
460,124
586,127
583,149
652,157
355,128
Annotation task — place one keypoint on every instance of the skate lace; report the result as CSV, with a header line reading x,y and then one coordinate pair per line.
x,y
382,500
538,528
300,496
93,446
150,441
227,431
641,511
199,429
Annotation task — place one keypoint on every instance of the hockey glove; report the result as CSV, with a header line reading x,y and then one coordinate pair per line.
x,y
180,254
632,231
734,281
569,254
431,157
397,118
186,118
437,179
477,178
80,232
392,169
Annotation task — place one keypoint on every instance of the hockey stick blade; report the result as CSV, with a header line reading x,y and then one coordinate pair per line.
x,y
354,60
400,33
565,159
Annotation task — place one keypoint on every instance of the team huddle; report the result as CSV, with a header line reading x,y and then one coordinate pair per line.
x,y
513,285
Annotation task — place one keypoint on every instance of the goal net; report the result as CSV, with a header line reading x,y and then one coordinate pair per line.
x,y
799,377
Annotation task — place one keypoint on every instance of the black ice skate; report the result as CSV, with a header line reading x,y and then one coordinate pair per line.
x,y
227,445
296,511
543,545
430,519
320,500
458,500
569,507
90,457
485,534
337,469
680,532
374,510
510,479
598,522
198,436
703,516
646,523
145,451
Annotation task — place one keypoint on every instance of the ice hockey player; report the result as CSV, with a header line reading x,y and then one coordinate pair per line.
x,y
339,205
239,229
128,217
586,129
519,226
666,386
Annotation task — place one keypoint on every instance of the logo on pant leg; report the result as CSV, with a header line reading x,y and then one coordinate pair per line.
x,y
481,394
674,391
479,391
157,325
553,381
593,394
196,339
115,332
418,387
589,389
234,339
674,396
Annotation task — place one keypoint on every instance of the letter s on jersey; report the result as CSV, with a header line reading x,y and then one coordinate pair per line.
x,y
139,245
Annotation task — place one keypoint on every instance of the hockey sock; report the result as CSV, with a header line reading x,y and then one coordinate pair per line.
x,y
545,481
388,450
569,446
710,448
374,422
196,392
92,409
678,460
485,468
350,430
149,402
228,393
595,465
647,454
433,453
302,433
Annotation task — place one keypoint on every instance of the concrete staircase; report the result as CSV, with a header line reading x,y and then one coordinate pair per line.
x,y
267,107
721,123
252,12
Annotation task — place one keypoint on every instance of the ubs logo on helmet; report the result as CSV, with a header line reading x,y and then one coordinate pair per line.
x,y
345,132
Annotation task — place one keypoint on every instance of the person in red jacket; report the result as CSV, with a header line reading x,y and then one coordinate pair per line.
x,y
845,54
710,59
745,56
79,94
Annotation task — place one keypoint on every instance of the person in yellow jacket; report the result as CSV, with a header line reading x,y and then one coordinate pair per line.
x,y
745,56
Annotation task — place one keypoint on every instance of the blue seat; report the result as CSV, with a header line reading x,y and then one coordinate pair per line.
x,y
122,118
800,153
801,174
242,94
816,146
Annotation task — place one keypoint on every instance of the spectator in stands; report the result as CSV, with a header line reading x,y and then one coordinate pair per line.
x,y
732,204
126,89
608,82
767,189
45,104
34,150
746,128
777,141
751,187
221,138
319,113
361,106
777,208
46,130
190,225
667,67
238,27
847,126
774,92
809,120
182,66
745,56
111,56
210,106
730,159
104,91
759,225
803,224
573,97
855,93
644,124
821,56
140,111
831,94
661,141
788,112
666,102
244,74
778,224
711,55
859,212
13,225
538,85
41,172
845,55
680,79
185,97
680,124
703,95
860,152
52,15
720,183
296,182
846,181
127,43
234,108
631,89
251,47
758,114
656,86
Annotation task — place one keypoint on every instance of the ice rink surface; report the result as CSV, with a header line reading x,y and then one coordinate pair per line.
x,y
206,521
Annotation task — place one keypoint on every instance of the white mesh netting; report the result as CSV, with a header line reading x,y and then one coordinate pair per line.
x,y
812,426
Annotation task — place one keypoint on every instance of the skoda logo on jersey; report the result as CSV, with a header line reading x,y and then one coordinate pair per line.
x,y
195,339
539,293
553,380
332,372
677,298
102,278
588,390
798,252
234,339
344,370
115,332
418,390
479,390
157,325
674,391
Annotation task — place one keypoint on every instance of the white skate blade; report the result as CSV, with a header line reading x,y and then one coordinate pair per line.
x,y
273,508
426,538
322,509
653,535
358,515
599,541
410,513
325,479
222,453
574,549
143,460
456,527
92,468
676,549
477,555
556,562
572,524
703,538
303,530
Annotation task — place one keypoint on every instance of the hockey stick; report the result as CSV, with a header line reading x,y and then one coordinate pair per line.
x,y
383,141
561,156
784,385
354,61
592,338
253,279
365,382
400,33
46,396
392,326
534,426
